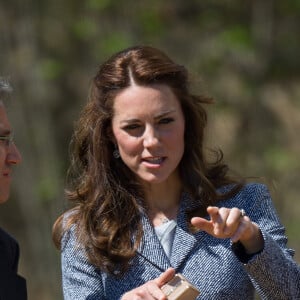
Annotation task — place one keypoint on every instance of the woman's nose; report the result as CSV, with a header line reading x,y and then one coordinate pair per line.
x,y
13,155
151,137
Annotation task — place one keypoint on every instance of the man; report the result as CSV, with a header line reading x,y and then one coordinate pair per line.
x,y
12,286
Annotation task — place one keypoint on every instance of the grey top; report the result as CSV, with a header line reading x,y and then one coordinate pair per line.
x,y
165,233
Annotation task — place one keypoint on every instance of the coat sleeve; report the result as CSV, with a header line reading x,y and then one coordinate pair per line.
x,y
273,272
80,279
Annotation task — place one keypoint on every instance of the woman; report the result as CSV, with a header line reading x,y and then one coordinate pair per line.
x,y
149,203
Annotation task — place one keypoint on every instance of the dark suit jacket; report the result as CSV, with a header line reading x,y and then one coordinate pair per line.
x,y
12,286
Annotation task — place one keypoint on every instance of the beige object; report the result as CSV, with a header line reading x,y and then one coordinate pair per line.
x,y
179,288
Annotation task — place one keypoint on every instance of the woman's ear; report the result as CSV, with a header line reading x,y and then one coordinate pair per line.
x,y
110,135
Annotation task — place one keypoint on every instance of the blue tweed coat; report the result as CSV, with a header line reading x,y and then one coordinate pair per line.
x,y
219,269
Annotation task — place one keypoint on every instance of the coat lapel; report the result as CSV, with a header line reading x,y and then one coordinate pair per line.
x,y
184,240
151,248
183,243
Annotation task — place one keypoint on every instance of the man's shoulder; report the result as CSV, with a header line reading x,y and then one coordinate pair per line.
x,y
12,286
7,239
9,251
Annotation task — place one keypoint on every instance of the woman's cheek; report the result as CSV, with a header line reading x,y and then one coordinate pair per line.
x,y
130,147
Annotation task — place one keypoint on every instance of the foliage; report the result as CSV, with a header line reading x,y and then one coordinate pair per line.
x,y
245,52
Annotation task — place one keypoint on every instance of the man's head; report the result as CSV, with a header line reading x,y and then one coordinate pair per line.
x,y
9,154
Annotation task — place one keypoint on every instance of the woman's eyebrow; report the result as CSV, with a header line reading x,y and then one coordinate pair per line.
x,y
165,113
130,121
158,116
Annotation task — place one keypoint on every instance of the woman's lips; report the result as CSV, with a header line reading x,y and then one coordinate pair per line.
x,y
154,160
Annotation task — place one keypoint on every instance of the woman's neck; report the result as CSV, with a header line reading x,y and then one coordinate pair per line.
x,y
163,201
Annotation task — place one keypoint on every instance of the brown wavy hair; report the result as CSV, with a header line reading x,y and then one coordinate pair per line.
x,y
103,189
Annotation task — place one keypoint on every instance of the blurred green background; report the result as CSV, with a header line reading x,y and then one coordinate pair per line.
x,y
243,53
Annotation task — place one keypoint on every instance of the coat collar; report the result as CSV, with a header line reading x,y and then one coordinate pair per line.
x,y
184,240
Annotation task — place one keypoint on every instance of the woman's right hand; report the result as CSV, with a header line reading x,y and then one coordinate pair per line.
x,y
151,289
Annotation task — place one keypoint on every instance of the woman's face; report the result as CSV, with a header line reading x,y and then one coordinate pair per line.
x,y
148,127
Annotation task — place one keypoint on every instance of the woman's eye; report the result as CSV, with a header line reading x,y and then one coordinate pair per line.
x,y
166,120
131,127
